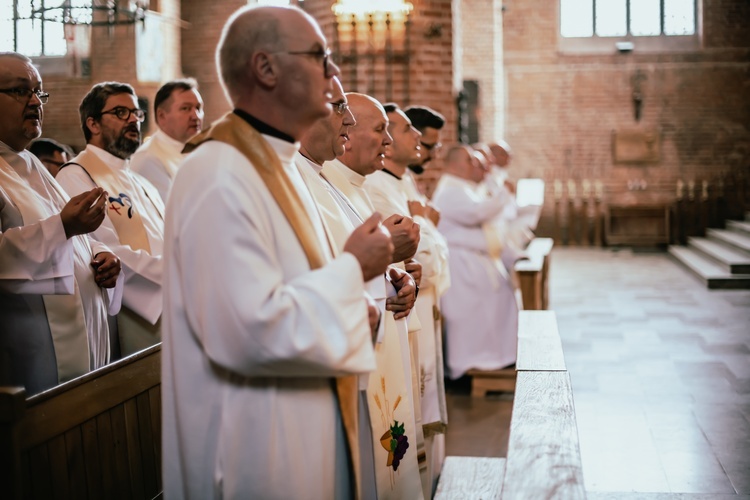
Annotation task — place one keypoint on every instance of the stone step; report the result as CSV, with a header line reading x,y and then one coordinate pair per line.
x,y
735,239
731,258
740,227
707,270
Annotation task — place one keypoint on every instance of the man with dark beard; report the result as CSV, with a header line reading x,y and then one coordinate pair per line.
x,y
134,226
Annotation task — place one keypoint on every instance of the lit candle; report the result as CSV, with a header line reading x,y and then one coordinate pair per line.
x,y
586,188
571,189
680,189
558,189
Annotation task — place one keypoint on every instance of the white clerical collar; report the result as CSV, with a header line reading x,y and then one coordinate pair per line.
x,y
286,150
354,177
312,164
173,144
108,158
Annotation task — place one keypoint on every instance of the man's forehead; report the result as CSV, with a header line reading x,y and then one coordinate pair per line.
x,y
17,71
122,98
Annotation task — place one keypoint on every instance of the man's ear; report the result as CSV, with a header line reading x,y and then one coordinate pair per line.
x,y
264,68
93,125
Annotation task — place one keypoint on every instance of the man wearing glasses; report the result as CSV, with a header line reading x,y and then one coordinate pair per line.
x,y
134,226
265,328
53,311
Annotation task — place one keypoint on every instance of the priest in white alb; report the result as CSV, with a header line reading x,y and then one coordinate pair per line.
x,y
479,308
53,302
134,226
265,331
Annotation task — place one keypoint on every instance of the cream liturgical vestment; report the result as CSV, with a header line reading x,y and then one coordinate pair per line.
x,y
262,328
480,309
157,160
390,195
134,229
390,410
53,316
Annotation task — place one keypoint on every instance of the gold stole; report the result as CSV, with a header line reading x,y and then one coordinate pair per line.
x,y
64,312
233,130
128,222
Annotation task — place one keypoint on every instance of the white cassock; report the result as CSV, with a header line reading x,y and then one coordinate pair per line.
x,y
157,160
253,338
53,316
391,381
515,231
138,322
480,309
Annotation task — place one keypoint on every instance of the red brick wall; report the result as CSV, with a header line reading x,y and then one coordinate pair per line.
x,y
562,108
430,68
112,58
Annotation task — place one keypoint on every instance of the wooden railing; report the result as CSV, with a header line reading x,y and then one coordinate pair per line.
x,y
98,436
544,459
533,274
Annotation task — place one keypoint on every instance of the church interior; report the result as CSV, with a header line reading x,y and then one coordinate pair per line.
x,y
640,133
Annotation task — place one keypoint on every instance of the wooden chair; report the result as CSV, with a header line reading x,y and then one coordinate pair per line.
x,y
98,436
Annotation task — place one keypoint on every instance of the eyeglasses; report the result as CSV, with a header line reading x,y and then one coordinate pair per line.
x,y
23,95
320,53
340,107
430,147
124,113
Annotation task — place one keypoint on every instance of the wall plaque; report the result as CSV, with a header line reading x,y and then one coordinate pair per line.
x,y
636,146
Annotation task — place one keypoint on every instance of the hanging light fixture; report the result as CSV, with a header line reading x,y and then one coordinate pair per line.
x,y
92,12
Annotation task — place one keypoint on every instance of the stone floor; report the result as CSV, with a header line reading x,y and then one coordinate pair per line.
x,y
660,368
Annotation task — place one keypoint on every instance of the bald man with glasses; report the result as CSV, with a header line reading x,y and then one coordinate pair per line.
x,y
134,225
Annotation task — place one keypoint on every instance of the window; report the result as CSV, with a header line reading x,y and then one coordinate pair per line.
x,y
35,27
620,18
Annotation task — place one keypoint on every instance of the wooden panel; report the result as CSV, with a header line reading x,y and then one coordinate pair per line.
x,y
470,478
106,446
544,460
539,346
41,486
58,461
76,468
133,436
154,395
120,451
48,415
90,438
150,470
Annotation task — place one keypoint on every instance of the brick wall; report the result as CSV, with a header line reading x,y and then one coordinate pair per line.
x,y
430,68
112,57
481,57
562,108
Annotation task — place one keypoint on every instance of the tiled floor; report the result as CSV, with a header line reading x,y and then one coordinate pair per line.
x,y
660,368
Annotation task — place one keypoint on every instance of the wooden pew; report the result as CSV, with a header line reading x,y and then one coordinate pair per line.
x,y
544,459
97,436
533,277
533,274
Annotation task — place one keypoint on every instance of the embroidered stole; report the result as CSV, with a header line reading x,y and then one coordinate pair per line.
x,y
64,312
126,217
233,130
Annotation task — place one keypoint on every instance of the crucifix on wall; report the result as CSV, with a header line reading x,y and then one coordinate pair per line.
x,y
637,94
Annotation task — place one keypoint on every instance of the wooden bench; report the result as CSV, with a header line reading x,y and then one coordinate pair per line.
x,y
544,459
98,436
533,276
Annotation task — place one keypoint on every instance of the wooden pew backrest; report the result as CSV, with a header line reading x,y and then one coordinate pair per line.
x,y
98,436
